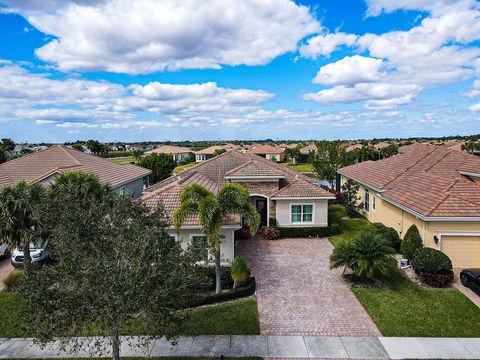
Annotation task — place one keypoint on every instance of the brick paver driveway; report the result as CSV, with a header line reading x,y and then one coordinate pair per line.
x,y
297,292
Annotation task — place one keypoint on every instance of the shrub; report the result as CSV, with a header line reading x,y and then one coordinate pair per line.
x,y
350,197
378,225
239,271
272,221
428,260
243,233
307,231
270,233
391,235
438,279
243,291
342,256
206,277
12,280
412,241
335,229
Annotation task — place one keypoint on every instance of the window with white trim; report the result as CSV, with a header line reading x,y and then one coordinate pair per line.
x,y
366,203
123,191
374,202
301,213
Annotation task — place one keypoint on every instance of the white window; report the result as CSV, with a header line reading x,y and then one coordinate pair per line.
x,y
374,202
123,191
366,204
301,213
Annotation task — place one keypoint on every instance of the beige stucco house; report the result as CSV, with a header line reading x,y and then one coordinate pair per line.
x,y
180,154
45,165
435,188
276,191
269,152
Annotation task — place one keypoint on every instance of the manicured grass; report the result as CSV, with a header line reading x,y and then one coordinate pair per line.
x,y
123,160
403,308
183,167
161,358
299,167
349,227
235,318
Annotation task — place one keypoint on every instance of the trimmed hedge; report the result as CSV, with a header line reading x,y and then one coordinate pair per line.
x,y
437,279
246,290
428,260
330,230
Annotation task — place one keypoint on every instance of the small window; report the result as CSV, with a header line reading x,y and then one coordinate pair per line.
x,y
302,213
374,202
366,204
123,191
200,247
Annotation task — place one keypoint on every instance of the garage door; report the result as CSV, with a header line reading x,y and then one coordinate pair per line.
x,y
464,251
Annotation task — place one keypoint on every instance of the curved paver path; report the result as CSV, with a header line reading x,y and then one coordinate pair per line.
x,y
297,292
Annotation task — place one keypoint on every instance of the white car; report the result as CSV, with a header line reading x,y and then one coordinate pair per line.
x,y
4,250
38,254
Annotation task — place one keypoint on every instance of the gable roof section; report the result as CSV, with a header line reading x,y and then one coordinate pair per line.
x,y
265,149
169,149
254,169
301,189
40,165
427,180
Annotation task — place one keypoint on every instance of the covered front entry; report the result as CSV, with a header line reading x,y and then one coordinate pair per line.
x,y
261,204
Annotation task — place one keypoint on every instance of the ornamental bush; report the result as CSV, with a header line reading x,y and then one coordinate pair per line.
x,y
438,279
270,233
391,235
12,280
428,260
412,241
240,271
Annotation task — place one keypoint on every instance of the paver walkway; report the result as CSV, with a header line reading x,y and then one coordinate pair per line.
x,y
261,346
298,294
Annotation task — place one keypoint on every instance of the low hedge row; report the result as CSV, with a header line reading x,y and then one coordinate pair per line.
x,y
333,229
244,291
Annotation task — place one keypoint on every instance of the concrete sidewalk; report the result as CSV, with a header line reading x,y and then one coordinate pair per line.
x,y
263,346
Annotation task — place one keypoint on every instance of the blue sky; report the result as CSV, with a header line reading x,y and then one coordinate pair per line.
x,y
210,70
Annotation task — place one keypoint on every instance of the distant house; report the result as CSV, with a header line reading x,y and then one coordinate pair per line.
x,y
284,146
433,187
45,165
277,192
209,152
269,152
306,151
180,154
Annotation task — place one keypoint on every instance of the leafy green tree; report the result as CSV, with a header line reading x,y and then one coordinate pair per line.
x,y
372,255
162,166
471,146
219,151
118,269
389,151
7,144
97,148
3,156
328,158
212,210
366,152
350,197
21,216
412,241
137,154
292,154
77,147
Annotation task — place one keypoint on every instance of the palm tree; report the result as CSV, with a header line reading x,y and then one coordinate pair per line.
x,y
20,216
211,210
367,152
342,256
371,254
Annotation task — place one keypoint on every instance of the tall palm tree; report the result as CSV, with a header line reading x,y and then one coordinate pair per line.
x,y
20,216
211,211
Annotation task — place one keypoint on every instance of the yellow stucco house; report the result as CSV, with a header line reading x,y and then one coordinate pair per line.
x,y
435,188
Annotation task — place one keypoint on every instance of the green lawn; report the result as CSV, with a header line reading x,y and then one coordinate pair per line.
x,y
299,167
123,160
234,318
183,167
403,308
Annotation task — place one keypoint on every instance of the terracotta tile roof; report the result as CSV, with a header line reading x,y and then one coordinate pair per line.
x,y
265,149
169,149
308,149
211,174
382,145
211,149
39,165
353,147
425,179
300,188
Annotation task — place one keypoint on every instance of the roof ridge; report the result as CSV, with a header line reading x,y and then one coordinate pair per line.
x,y
70,155
281,168
436,162
440,202
241,166
27,155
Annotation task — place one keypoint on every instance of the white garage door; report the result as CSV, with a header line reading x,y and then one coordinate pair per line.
x,y
464,251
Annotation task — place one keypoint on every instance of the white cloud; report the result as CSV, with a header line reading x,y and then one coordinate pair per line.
x,y
351,70
475,108
474,90
144,36
326,44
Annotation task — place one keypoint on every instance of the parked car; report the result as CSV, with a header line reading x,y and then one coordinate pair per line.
x,y
4,251
38,254
471,278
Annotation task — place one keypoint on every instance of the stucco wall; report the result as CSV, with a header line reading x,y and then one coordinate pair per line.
x,y
266,188
134,188
226,243
320,212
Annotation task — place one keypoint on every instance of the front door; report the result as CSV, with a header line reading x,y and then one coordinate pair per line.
x,y
261,206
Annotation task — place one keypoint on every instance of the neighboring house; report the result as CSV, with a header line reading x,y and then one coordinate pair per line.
x,y
435,188
284,146
306,151
43,166
269,152
209,152
180,154
276,191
